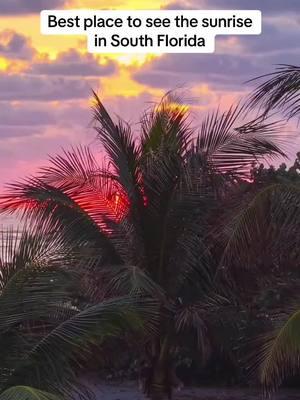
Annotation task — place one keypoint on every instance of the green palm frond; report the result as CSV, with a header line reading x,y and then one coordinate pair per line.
x,y
27,393
281,90
280,354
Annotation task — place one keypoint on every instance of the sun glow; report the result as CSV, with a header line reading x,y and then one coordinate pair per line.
x,y
4,64
12,66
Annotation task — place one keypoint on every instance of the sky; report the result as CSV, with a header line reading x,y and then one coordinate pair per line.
x,y
46,81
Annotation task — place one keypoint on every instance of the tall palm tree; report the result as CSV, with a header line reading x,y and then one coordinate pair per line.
x,y
44,335
145,214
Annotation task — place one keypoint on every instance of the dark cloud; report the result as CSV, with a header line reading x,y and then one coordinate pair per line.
x,y
15,46
27,87
14,7
72,63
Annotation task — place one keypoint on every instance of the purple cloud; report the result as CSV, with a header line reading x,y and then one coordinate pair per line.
x,y
223,71
270,7
42,88
15,46
72,63
273,38
25,115
14,7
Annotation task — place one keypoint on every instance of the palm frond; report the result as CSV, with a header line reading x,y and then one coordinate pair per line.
x,y
166,126
132,280
191,317
280,354
74,168
27,393
264,225
70,344
79,220
120,147
229,143
281,90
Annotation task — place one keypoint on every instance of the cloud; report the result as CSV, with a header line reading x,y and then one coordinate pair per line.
x,y
73,63
273,38
14,7
269,7
222,72
12,115
15,46
43,88
11,131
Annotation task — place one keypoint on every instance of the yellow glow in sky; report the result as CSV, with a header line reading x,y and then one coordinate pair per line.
x,y
118,4
48,47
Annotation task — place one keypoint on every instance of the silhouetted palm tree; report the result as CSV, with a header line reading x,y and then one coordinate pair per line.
x,y
145,213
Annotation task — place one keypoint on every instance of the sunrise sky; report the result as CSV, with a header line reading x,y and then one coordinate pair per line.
x,y
46,81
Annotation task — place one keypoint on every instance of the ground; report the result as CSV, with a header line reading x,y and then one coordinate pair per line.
x,y
129,391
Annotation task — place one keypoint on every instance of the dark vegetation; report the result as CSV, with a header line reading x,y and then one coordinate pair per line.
x,y
177,255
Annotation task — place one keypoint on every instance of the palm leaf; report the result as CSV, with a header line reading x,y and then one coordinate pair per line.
x,y
264,225
119,145
281,90
52,362
280,354
27,393
229,143
166,126
78,219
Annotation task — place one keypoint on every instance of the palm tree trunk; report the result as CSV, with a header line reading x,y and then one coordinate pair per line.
x,y
160,384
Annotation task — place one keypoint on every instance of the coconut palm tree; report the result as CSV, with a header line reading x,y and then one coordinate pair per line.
x,y
148,213
44,336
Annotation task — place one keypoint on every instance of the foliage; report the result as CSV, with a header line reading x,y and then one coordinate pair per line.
x,y
279,91
44,335
146,222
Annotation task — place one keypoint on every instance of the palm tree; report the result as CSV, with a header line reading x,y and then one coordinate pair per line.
x,y
265,234
44,335
271,218
146,214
